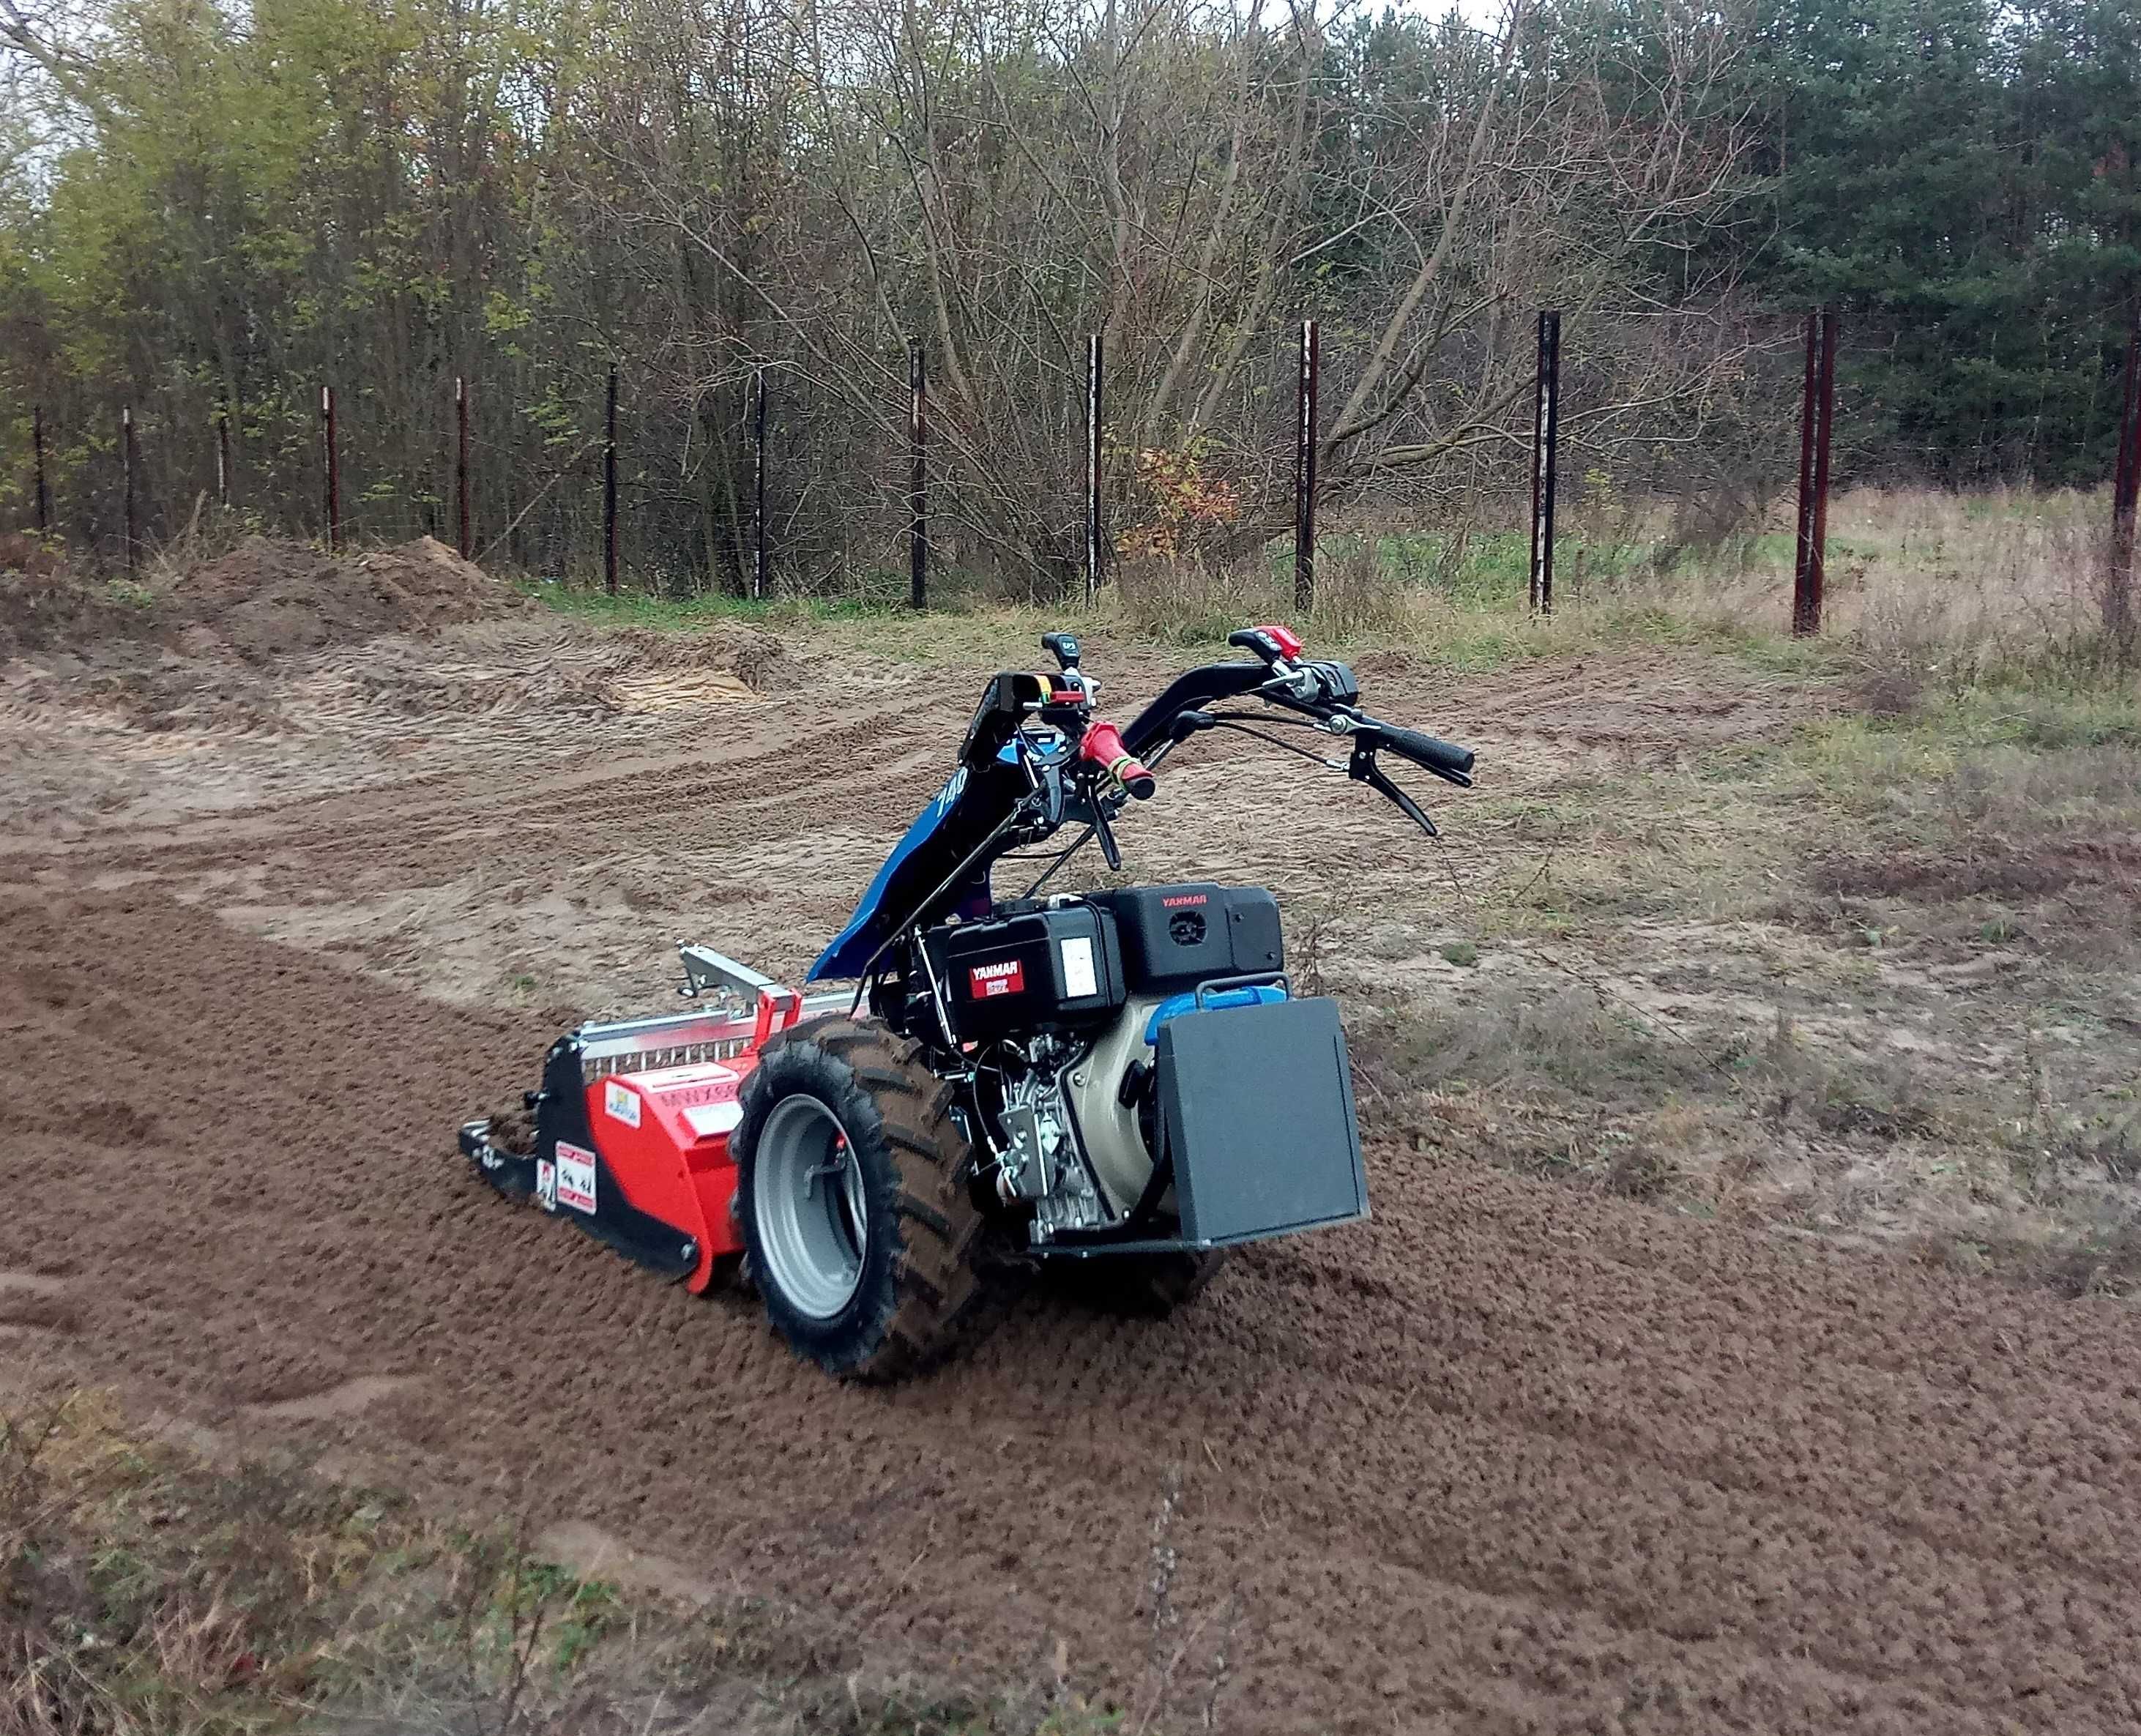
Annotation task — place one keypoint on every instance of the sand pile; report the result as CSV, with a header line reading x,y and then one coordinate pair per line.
x,y
265,599
270,599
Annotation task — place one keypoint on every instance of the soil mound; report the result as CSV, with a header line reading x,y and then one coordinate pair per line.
x,y
268,599
46,606
263,600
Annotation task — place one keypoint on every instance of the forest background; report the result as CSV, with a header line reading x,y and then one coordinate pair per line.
x,y
213,210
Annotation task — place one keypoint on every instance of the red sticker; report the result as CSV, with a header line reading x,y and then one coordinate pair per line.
x,y
1005,977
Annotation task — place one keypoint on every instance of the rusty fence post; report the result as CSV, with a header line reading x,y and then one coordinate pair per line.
x,y
223,457
466,538
1803,536
1095,527
130,458
1823,429
758,573
2119,618
1545,437
1817,418
330,438
609,489
37,451
917,480
1304,469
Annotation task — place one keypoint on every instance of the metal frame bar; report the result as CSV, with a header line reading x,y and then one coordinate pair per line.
x,y
2118,617
758,568
130,457
329,434
467,541
609,488
1304,468
1817,418
1546,426
1096,539
917,480
37,448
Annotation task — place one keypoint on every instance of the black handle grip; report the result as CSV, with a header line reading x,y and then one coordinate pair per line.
x,y
1445,759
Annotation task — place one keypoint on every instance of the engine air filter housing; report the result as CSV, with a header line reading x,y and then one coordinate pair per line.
x,y
1174,938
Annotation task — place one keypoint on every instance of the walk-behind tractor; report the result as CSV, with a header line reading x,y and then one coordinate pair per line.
x,y
1116,1085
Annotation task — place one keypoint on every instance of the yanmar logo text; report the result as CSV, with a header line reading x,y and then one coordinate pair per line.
x,y
1182,898
1007,976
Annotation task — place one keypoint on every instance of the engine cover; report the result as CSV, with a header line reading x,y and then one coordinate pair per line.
x,y
1173,938
1057,968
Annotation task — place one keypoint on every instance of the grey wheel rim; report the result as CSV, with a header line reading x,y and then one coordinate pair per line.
x,y
812,1213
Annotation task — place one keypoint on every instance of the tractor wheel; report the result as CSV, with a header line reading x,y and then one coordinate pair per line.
x,y
860,1228
1150,1286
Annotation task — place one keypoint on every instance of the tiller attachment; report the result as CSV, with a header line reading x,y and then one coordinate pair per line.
x,y
628,1135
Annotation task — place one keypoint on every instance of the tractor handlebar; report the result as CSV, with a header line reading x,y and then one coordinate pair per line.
x,y
1102,746
1446,759
1276,673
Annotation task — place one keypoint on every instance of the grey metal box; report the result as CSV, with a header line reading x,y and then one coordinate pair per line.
x,y
1257,1104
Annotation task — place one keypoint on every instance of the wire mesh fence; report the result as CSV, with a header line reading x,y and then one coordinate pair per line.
x,y
770,479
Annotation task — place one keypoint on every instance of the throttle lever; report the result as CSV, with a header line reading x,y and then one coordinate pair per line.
x,y
1363,769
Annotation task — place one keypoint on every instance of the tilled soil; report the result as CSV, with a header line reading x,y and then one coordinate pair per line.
x,y
1504,1458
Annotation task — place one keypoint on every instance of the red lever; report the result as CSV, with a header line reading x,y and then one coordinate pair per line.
x,y
1289,646
1102,745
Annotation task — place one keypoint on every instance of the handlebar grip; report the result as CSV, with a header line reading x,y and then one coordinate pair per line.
x,y
1102,745
1429,752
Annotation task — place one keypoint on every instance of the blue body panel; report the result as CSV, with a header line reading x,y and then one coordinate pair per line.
x,y
982,792
849,953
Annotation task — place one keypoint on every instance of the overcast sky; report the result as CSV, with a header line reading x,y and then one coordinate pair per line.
x,y
1485,13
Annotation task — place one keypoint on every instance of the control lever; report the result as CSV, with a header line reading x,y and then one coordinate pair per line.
x,y
1063,647
1363,769
1096,799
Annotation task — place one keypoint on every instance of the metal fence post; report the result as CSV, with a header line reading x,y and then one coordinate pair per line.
x,y
917,481
1546,427
466,540
2119,618
1304,471
609,489
1817,417
1822,431
334,474
223,457
129,459
1095,529
37,450
758,484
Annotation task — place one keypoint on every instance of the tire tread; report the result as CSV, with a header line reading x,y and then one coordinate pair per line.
x,y
936,1292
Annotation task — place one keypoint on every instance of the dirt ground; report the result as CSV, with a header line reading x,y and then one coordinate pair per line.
x,y
1511,1456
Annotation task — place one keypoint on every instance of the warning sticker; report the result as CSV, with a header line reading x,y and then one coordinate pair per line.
x,y
546,1184
712,1118
1079,977
620,1102
1008,976
576,1178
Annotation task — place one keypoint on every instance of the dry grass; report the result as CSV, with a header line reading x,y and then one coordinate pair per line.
x,y
144,1592
1877,975
1951,588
